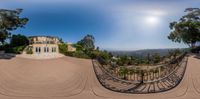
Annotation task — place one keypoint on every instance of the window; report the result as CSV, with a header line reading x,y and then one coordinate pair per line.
x,y
53,49
47,49
37,49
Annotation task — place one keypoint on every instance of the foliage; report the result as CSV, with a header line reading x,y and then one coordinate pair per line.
x,y
196,50
156,58
78,47
174,53
150,59
105,55
69,53
61,41
123,60
80,54
17,44
19,40
98,49
29,52
62,48
123,72
16,50
187,29
87,42
9,21
94,54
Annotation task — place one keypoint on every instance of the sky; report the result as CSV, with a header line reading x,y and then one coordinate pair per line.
x,y
115,24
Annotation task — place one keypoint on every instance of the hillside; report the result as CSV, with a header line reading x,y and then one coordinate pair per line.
x,y
142,53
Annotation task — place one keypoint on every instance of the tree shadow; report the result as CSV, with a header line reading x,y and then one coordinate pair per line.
x,y
197,56
7,56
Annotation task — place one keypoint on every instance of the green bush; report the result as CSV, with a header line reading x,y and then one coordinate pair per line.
x,y
19,40
94,54
69,53
195,50
62,48
1,48
16,50
29,52
80,54
78,47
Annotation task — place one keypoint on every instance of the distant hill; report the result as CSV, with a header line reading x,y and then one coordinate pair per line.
x,y
142,53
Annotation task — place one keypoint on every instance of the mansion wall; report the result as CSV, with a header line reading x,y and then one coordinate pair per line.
x,y
43,44
44,48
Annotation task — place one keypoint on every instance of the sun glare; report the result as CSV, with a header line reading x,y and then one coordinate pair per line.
x,y
152,20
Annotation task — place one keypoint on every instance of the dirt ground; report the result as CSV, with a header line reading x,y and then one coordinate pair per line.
x,y
73,78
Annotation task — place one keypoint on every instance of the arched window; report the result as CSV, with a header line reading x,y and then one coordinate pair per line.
x,y
54,49
39,49
47,49
36,49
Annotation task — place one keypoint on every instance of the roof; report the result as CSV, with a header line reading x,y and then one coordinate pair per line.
x,y
44,36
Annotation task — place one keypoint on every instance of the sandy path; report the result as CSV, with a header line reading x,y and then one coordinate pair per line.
x,y
72,78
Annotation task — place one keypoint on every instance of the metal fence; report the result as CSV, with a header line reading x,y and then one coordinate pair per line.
x,y
142,80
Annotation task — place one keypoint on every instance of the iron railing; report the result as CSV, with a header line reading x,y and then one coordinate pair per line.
x,y
141,80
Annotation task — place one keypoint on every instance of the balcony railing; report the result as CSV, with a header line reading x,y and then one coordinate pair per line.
x,y
141,81
43,42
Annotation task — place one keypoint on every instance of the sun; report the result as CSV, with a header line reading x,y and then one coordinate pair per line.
x,y
152,20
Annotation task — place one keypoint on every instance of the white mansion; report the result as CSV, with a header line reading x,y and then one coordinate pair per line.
x,y
43,44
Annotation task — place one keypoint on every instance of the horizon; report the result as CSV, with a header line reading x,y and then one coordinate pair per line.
x,y
116,25
143,49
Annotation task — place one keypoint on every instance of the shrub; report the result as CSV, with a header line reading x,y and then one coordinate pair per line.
x,y
1,48
29,52
62,48
16,50
195,50
94,54
80,54
69,53
78,47
19,40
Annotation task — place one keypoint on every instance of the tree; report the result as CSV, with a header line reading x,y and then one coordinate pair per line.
x,y
87,42
19,40
78,47
9,21
130,73
97,48
62,48
61,41
187,29
123,72
156,58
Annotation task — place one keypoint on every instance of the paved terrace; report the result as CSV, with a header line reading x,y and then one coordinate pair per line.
x,y
72,78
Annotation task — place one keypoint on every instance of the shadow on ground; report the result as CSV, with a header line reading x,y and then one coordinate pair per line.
x,y
197,56
7,56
